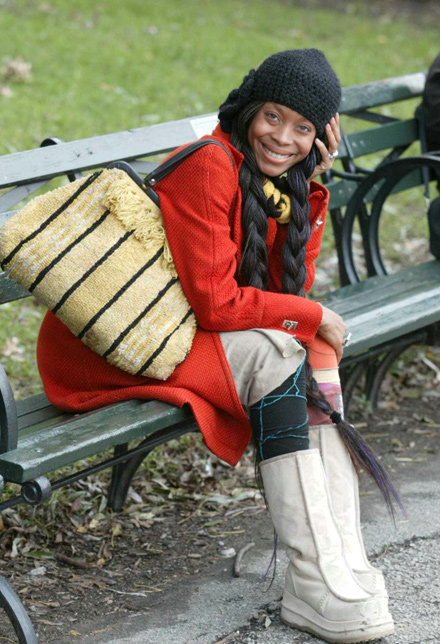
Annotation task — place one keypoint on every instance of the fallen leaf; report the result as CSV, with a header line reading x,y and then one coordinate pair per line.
x,y
13,350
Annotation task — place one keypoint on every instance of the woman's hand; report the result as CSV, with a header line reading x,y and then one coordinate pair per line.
x,y
333,329
334,138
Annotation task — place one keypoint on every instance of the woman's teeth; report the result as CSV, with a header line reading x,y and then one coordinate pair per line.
x,y
274,155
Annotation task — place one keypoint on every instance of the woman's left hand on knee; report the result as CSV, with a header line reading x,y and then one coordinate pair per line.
x,y
333,329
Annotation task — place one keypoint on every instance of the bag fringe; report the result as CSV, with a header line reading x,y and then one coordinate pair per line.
x,y
140,214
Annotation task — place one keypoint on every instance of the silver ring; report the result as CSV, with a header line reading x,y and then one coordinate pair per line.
x,y
346,340
334,155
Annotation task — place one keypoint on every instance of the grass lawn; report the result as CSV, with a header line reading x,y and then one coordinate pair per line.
x,y
105,66
81,69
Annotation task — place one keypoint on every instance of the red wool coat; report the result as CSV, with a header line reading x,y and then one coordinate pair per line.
x,y
201,207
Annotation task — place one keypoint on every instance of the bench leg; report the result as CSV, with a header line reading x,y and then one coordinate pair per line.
x,y
16,613
376,374
122,475
374,369
349,382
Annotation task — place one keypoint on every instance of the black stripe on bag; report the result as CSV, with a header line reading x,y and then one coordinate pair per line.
x,y
153,356
100,261
118,294
136,321
68,248
52,217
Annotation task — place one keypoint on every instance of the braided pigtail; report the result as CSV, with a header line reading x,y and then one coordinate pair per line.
x,y
298,231
254,264
363,458
253,270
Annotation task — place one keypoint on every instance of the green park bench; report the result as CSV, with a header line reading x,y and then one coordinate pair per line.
x,y
385,313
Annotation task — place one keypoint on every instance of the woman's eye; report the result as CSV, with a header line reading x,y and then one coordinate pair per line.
x,y
304,128
272,116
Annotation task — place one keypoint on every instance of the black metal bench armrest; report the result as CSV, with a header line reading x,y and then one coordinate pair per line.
x,y
8,415
375,188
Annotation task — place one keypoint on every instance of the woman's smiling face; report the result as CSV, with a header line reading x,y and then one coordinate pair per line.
x,y
279,138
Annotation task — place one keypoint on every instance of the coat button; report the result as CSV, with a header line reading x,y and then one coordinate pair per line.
x,y
290,325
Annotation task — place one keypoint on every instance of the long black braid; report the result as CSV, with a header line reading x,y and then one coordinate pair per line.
x,y
253,270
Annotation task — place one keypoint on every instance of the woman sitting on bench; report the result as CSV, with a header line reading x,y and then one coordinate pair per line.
x,y
264,360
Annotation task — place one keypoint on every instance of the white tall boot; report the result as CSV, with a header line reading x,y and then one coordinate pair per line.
x,y
344,492
321,594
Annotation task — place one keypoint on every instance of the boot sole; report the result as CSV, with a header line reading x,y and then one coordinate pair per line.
x,y
305,618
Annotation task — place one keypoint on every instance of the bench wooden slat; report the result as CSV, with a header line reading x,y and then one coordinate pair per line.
x,y
95,152
386,307
37,410
44,451
382,137
10,291
31,404
376,93
375,139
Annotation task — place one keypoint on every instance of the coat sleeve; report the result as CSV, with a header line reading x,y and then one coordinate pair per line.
x,y
198,203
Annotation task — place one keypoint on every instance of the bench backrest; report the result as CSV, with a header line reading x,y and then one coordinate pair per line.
x,y
24,173
392,137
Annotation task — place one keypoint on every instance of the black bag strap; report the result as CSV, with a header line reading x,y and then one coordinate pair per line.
x,y
168,166
165,168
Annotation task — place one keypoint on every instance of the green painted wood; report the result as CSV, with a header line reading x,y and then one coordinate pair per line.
x,y
10,291
86,154
376,139
389,90
32,403
36,409
88,434
386,307
383,137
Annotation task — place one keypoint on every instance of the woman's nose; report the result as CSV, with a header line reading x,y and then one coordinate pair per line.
x,y
283,135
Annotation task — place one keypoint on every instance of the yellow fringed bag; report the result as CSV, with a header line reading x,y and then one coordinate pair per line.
x,y
95,253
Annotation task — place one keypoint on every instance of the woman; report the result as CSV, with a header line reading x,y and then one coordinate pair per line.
x,y
244,238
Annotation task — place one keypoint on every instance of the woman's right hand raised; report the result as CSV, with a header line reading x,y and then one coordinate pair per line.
x,y
333,329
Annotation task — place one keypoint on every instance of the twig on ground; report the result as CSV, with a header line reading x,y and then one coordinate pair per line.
x,y
239,557
78,563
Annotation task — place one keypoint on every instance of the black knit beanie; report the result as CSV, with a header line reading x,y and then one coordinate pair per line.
x,y
301,79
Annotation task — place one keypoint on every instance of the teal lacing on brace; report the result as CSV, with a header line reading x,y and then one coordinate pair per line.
x,y
286,391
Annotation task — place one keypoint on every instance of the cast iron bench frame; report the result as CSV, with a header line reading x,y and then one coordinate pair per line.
x,y
36,438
